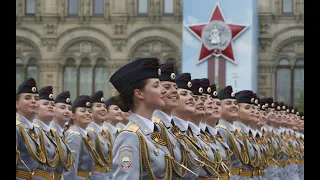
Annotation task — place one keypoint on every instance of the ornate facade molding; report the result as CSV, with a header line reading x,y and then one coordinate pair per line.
x,y
32,43
284,43
150,39
83,28
85,38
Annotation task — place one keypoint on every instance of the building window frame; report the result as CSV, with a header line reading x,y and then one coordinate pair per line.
x,y
164,8
73,14
26,7
143,13
283,6
292,75
94,9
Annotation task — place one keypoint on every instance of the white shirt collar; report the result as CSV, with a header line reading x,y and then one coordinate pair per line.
x,y
202,126
147,122
45,127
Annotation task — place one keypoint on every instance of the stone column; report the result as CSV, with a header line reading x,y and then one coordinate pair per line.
x,y
50,75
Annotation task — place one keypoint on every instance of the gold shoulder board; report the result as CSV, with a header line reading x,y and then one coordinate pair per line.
x,y
156,119
90,129
104,128
119,129
238,129
221,126
18,122
37,126
133,128
53,129
74,132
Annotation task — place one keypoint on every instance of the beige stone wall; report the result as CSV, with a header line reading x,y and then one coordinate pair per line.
x,y
120,35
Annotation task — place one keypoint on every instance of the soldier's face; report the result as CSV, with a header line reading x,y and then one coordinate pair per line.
x,y
27,103
199,106
152,94
208,105
230,109
114,113
171,97
45,109
62,112
125,118
217,110
246,113
99,111
272,118
186,102
257,115
82,116
264,118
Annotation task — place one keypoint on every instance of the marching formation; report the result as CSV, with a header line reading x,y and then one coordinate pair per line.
x,y
160,126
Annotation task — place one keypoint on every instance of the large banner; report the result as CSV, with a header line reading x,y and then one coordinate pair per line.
x,y
220,41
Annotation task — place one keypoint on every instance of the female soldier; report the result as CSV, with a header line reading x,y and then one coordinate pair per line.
x,y
81,141
205,84
171,132
62,114
28,150
139,151
246,118
207,144
210,130
103,146
47,137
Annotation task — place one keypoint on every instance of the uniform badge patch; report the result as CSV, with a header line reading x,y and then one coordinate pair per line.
x,y
126,153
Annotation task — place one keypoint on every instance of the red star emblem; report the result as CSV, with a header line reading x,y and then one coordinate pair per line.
x,y
228,51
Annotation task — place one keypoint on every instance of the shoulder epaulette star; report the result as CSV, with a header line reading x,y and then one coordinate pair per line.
x,y
73,132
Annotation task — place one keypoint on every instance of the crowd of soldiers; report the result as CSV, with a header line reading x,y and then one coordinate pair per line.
x,y
160,126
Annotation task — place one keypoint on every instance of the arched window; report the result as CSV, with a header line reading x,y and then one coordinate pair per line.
x,y
25,71
87,78
290,81
298,81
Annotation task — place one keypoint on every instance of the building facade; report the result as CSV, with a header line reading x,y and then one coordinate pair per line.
x,y
76,45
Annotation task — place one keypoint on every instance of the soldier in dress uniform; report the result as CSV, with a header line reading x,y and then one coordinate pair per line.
x,y
271,133
81,141
171,133
210,149
139,151
103,146
62,114
227,131
205,84
29,153
47,137
301,148
289,155
247,117
212,133
181,115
